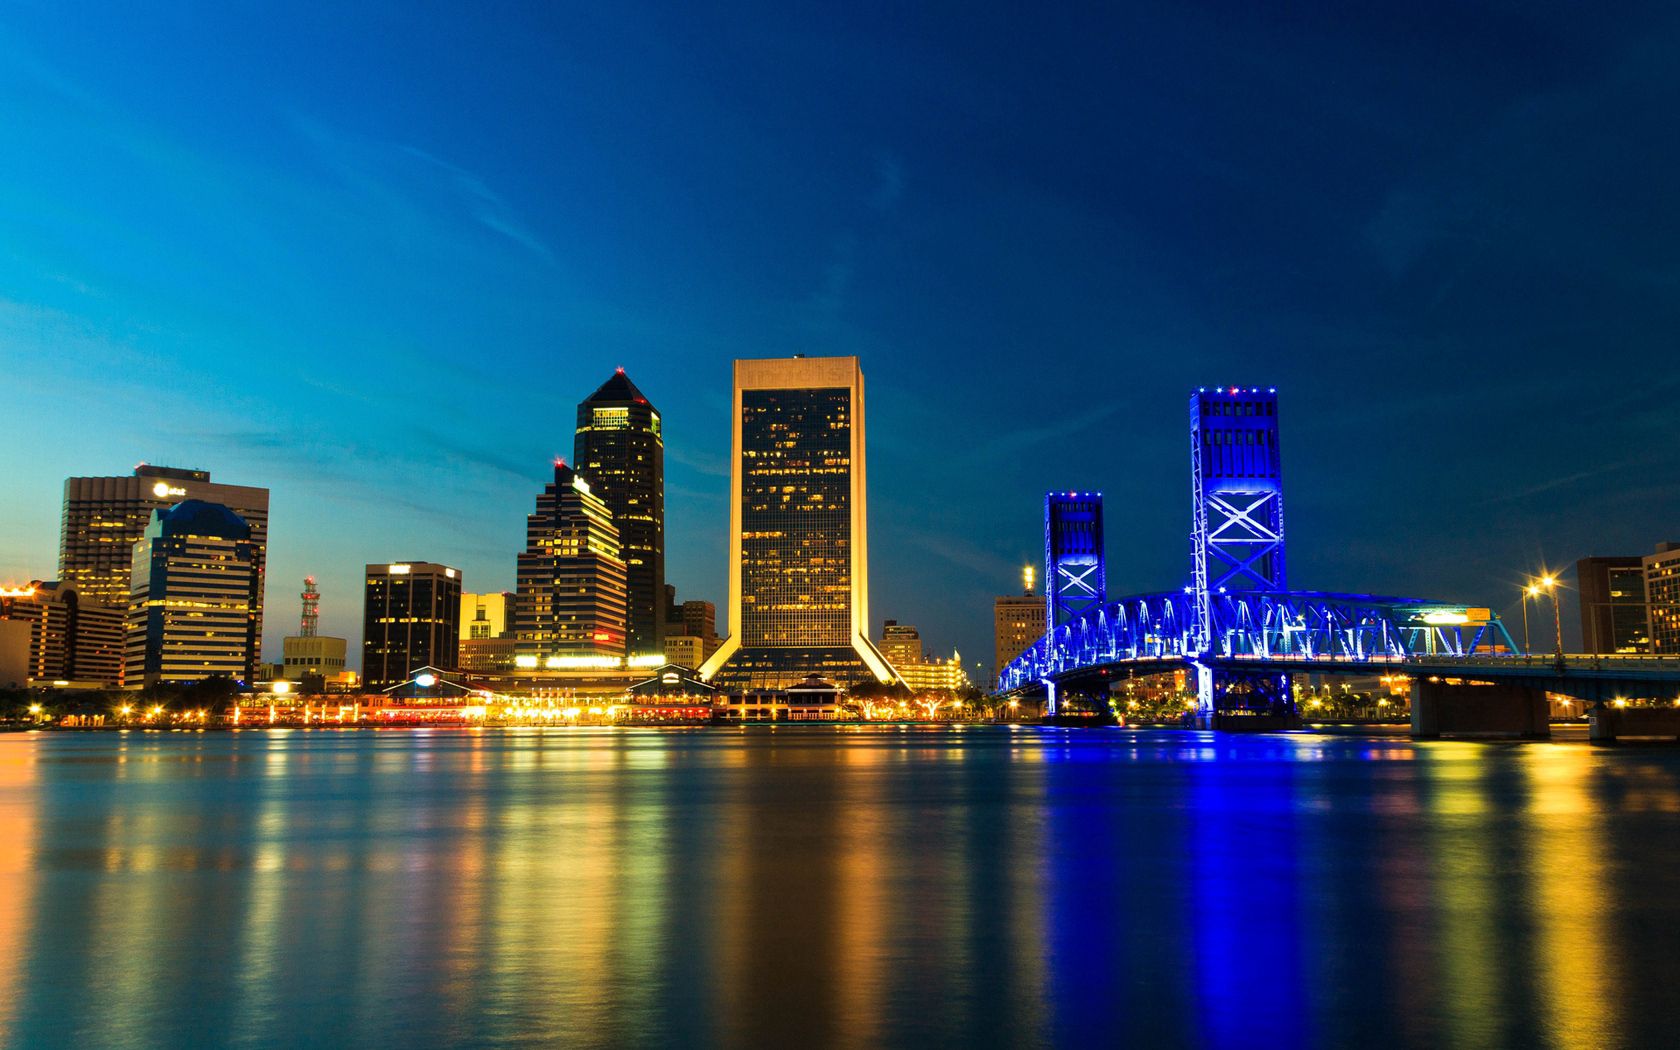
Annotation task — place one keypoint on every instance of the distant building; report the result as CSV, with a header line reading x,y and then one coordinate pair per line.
x,y
1662,598
485,615
316,656
685,650
193,595
1613,614
901,644
799,551
65,639
620,449
690,630
488,655
411,617
571,584
1018,621
105,517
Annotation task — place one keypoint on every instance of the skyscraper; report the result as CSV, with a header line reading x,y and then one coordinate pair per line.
x,y
571,585
798,551
411,617
1662,598
105,517
620,450
193,597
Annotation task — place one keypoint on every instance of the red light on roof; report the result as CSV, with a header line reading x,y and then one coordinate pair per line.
x,y
620,369
559,461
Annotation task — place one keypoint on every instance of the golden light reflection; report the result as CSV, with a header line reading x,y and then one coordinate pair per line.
x,y
18,802
1573,900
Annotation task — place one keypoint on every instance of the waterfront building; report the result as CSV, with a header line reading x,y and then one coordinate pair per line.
x,y
798,550
105,517
194,590
410,618
485,615
1018,621
489,655
571,597
313,656
620,449
64,639
901,644
685,650
1613,614
1662,598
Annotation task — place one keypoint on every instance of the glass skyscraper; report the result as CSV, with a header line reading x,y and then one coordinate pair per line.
x,y
620,450
798,559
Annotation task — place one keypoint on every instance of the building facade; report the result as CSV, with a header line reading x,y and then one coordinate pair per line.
x,y
1613,614
901,644
1662,598
485,615
571,598
67,640
411,617
315,655
1018,621
620,449
105,517
799,553
194,590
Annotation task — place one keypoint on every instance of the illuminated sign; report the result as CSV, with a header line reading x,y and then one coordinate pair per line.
x,y
449,573
669,678
425,680
580,484
164,488
397,570
1443,617
525,661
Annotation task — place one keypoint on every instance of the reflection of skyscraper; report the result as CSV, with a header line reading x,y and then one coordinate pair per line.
x,y
798,556
571,596
620,450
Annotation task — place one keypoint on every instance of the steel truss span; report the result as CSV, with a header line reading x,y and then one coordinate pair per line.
x,y
1290,628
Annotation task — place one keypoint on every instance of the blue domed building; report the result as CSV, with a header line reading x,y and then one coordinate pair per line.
x,y
194,597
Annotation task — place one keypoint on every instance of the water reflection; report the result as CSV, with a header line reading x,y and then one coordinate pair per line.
x,y
814,887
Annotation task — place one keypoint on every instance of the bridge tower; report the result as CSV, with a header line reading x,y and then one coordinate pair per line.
x,y
1236,539
1074,581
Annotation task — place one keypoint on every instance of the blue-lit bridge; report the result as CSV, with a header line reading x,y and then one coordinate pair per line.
x,y
1241,632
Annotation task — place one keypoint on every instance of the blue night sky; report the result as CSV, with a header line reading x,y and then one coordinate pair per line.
x,y
372,255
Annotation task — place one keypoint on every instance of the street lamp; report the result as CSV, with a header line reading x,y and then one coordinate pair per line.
x,y
1529,591
1550,582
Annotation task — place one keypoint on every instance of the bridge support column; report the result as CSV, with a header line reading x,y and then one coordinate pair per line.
x,y
1440,709
1609,723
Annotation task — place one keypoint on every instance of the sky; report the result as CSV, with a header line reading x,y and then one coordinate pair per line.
x,y
371,256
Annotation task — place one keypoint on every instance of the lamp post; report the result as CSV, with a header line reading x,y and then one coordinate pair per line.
x,y
1550,583
1529,591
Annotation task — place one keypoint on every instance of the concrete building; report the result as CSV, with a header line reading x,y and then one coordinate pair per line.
x,y
571,585
1662,598
1018,620
798,528
193,594
411,617
481,656
314,656
1613,613
686,650
68,640
485,615
901,644
620,449
105,517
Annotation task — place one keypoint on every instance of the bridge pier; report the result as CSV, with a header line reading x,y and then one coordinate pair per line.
x,y
1609,723
1468,709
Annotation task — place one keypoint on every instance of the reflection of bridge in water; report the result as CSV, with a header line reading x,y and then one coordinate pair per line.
x,y
1241,632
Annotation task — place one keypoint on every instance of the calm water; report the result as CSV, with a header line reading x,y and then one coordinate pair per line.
x,y
814,886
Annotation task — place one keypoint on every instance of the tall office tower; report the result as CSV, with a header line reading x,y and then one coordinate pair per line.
x,y
411,618
105,517
1662,598
620,450
484,615
193,597
571,584
1018,621
68,640
1236,540
1613,618
798,551
1074,581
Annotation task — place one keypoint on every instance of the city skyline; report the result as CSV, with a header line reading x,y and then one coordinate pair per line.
x,y
1031,275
